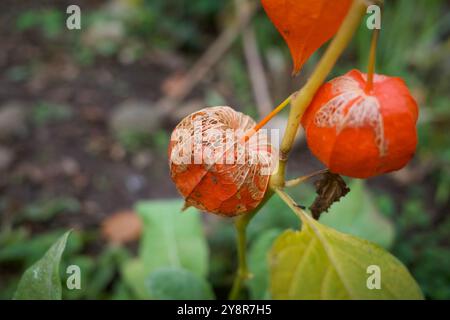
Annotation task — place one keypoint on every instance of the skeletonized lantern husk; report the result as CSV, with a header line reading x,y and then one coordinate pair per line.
x,y
213,168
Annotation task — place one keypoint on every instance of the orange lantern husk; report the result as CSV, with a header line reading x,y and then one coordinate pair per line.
x,y
306,24
362,134
230,176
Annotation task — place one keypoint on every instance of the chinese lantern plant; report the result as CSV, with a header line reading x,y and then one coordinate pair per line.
x,y
359,129
358,125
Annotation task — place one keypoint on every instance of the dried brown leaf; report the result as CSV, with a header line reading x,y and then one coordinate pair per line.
x,y
122,227
329,188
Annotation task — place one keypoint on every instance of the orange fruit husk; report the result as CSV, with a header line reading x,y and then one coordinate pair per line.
x,y
226,181
362,134
306,24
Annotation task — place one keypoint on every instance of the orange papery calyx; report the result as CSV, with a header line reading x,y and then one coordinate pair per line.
x,y
215,166
306,24
362,131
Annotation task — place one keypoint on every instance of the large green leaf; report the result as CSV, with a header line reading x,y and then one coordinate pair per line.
x,y
357,215
258,264
172,238
134,275
321,263
41,281
274,215
178,284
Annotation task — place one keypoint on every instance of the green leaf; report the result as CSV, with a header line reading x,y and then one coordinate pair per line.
x,y
47,209
41,281
274,215
134,275
258,264
321,263
178,284
357,215
107,264
121,291
172,238
30,250
27,20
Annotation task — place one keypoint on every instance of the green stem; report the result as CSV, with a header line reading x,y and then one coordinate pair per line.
x,y
372,61
291,203
303,98
295,182
242,273
299,102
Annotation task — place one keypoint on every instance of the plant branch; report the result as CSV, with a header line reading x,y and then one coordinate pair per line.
x,y
291,203
299,102
302,98
209,58
242,273
299,180
267,118
254,61
372,60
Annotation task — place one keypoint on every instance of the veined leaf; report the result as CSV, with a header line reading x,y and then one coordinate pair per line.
x,y
134,275
259,264
41,281
358,215
172,238
321,263
178,284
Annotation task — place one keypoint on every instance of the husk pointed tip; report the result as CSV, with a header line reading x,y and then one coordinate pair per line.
x,y
185,206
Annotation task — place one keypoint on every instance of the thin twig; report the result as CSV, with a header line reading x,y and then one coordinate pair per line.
x,y
267,118
299,180
302,99
242,272
255,66
211,56
291,203
372,60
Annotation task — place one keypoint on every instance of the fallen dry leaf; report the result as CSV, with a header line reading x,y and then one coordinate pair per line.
x,y
330,188
122,227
